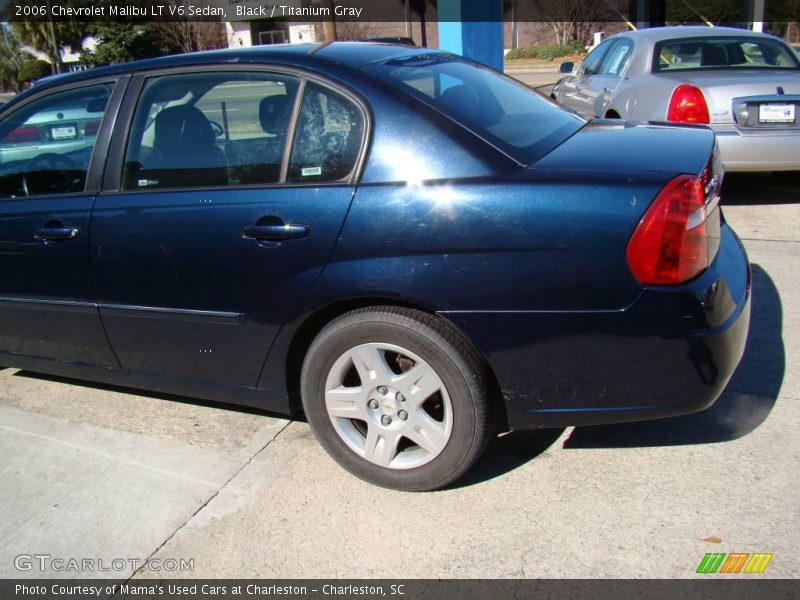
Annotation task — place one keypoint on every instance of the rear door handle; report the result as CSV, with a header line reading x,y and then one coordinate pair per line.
x,y
56,234
275,232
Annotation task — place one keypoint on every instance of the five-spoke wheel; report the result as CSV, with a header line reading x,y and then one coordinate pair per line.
x,y
397,396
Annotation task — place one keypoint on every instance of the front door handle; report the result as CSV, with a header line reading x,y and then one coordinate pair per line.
x,y
275,232
56,233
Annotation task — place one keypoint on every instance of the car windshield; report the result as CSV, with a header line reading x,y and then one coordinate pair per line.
x,y
723,53
507,114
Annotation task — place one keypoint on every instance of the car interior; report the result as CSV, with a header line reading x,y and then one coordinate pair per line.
x,y
174,142
45,148
692,54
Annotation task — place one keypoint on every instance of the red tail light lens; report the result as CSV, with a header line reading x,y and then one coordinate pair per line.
x,y
670,244
688,105
22,134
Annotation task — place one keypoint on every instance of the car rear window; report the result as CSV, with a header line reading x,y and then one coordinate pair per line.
x,y
507,114
723,53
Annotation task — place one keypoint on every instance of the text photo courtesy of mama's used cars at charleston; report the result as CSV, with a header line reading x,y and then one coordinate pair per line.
x,y
411,249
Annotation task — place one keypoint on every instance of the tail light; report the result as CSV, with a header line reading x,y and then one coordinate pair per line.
x,y
22,134
670,244
688,105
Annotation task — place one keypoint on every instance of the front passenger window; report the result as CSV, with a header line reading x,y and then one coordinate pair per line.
x,y
46,146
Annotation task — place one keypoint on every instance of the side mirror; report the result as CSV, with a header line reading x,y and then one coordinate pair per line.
x,y
217,128
566,67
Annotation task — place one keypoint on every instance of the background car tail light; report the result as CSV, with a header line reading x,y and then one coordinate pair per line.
x,y
22,134
688,105
670,244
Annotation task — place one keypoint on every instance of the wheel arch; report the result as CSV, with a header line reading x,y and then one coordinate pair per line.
x,y
313,323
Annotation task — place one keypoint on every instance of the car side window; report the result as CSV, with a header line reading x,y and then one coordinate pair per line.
x,y
209,129
328,137
591,64
46,146
616,58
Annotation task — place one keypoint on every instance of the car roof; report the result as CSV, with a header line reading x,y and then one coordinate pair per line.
x,y
657,34
353,54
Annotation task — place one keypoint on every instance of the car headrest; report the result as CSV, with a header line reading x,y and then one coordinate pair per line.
x,y
183,127
714,56
273,112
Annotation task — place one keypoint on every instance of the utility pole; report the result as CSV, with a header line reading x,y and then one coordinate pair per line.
x,y
56,50
514,25
328,27
407,15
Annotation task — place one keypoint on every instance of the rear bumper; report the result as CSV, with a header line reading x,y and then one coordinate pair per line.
x,y
671,352
759,151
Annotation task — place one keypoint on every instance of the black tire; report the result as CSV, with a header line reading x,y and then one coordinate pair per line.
x,y
458,367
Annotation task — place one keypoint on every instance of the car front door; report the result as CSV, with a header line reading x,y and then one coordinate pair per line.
x,y
230,194
51,157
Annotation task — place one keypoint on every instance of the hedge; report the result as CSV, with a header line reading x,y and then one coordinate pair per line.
x,y
547,51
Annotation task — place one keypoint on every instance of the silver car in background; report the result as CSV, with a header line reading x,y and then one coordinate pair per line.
x,y
744,85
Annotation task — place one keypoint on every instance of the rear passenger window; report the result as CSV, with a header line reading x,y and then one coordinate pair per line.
x,y
617,58
209,129
327,139
46,146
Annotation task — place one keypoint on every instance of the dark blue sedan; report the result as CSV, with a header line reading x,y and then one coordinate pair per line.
x,y
413,250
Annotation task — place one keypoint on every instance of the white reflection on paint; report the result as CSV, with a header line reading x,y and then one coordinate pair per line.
x,y
405,166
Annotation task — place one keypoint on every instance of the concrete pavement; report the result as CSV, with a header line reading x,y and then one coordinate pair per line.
x,y
104,473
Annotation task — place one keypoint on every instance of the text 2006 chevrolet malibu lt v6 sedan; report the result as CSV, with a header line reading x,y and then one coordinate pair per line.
x,y
412,249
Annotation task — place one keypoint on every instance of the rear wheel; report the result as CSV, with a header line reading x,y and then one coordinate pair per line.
x,y
397,397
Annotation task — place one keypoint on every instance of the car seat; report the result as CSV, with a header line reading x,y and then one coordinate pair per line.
x,y
184,151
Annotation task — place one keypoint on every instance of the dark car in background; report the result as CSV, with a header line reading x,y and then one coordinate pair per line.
x,y
413,250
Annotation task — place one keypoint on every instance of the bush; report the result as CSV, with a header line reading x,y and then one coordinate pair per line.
x,y
547,51
31,70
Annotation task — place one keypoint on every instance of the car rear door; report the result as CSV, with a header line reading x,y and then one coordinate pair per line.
x,y
597,93
230,190
571,90
52,149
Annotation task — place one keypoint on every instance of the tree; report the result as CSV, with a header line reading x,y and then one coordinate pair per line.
x,y
575,20
421,8
125,40
38,35
12,56
192,36
31,70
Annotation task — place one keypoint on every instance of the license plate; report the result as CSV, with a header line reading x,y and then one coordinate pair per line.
x,y
63,133
776,113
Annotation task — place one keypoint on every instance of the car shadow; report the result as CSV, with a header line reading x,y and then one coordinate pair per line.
x,y
743,406
148,394
759,188
508,452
